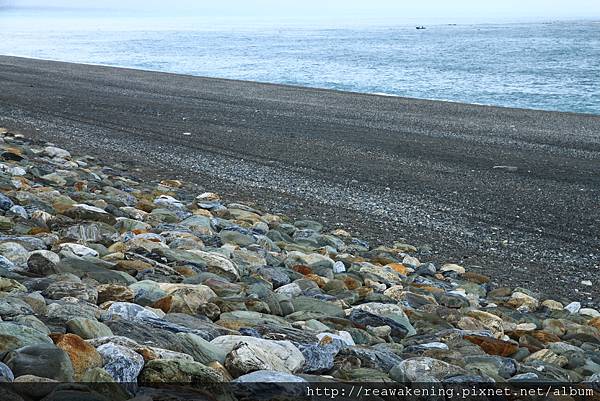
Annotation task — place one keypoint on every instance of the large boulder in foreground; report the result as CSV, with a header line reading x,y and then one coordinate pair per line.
x,y
249,354
13,336
42,360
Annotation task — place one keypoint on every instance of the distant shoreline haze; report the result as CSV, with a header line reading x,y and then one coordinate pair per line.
x,y
471,10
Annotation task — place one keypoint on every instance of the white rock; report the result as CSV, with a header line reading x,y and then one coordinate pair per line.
x,y
246,354
311,260
587,282
204,291
78,250
89,208
525,327
342,335
589,312
269,376
451,267
424,369
20,211
214,260
291,290
339,267
168,201
129,311
162,353
53,152
14,171
434,345
573,307
15,253
411,261
208,196
392,311
134,213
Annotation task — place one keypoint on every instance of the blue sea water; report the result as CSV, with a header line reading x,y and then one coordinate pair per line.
x,y
541,65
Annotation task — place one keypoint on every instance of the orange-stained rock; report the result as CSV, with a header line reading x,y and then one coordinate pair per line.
x,y
469,323
218,367
531,343
364,291
14,150
202,212
185,271
146,353
38,230
494,346
164,304
501,292
172,183
476,277
399,267
132,267
382,260
426,288
303,269
317,279
595,322
351,283
145,205
545,337
83,356
80,186
114,292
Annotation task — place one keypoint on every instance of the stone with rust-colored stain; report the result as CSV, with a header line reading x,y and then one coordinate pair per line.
x,y
531,343
494,346
399,267
595,322
83,356
316,279
476,277
164,304
304,270
114,292
133,266
351,283
545,337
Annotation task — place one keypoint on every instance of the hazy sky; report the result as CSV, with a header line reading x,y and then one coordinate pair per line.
x,y
402,9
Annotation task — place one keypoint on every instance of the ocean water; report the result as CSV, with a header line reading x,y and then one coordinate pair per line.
x,y
541,65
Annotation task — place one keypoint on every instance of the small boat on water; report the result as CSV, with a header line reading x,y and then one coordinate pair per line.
x,y
421,27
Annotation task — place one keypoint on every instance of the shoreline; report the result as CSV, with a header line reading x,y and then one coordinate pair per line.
x,y
386,167
302,87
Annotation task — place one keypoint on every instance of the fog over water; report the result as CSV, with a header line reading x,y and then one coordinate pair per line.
x,y
475,10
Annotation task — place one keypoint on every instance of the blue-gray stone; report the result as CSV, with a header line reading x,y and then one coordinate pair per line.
x,y
6,375
123,364
6,264
5,202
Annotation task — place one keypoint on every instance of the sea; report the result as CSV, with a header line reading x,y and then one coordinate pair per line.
x,y
548,65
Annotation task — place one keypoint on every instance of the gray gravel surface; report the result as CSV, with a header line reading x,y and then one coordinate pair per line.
x,y
382,167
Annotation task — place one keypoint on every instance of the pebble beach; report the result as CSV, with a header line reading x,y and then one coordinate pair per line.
x,y
106,277
508,193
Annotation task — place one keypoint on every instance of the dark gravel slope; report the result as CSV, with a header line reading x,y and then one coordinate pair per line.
x,y
383,167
